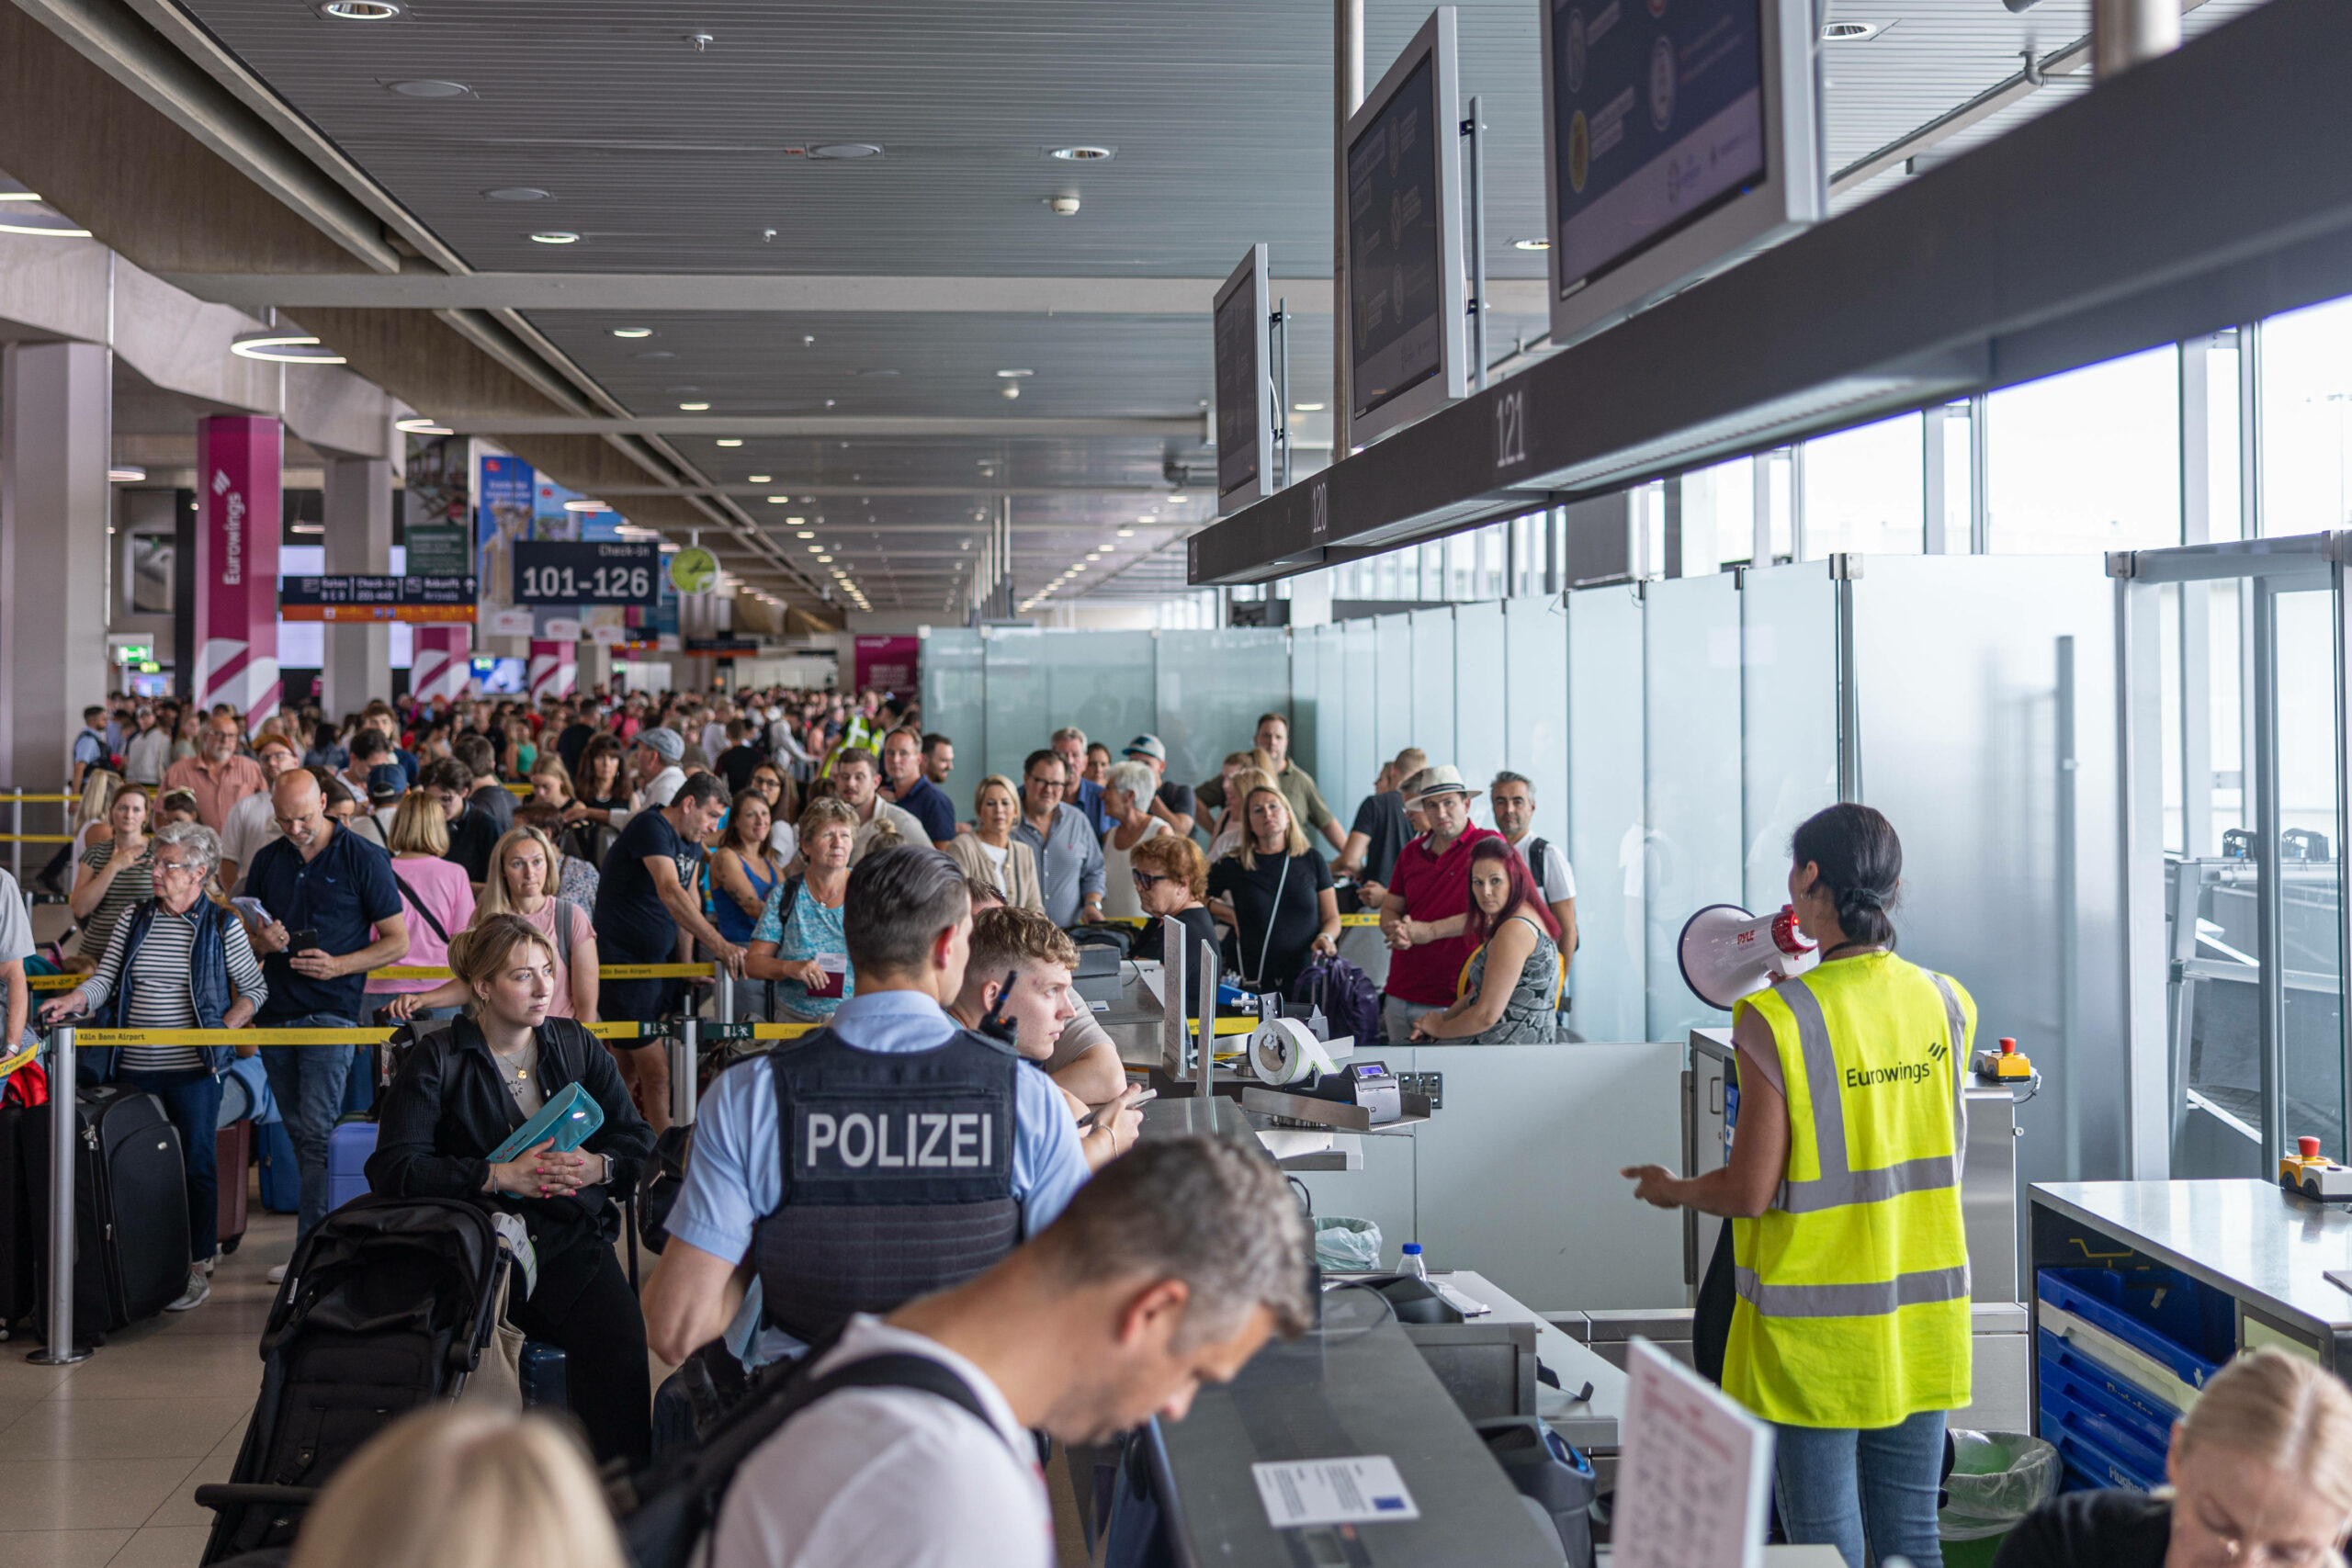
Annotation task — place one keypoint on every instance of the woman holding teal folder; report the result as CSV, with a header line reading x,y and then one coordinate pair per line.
x,y
466,1087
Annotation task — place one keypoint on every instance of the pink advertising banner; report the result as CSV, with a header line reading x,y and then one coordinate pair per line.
x,y
440,662
238,458
555,668
887,664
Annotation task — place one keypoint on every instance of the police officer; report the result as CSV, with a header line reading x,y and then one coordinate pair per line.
x,y
1850,1327
890,1154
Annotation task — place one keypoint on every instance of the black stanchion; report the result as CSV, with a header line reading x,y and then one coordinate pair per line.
x,y
65,1134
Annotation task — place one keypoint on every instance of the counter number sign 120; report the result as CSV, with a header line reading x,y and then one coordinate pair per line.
x,y
550,571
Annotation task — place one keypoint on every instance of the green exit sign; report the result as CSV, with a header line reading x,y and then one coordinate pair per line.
x,y
134,653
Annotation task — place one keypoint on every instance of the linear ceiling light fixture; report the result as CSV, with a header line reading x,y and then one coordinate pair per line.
x,y
632,331
284,348
418,424
555,237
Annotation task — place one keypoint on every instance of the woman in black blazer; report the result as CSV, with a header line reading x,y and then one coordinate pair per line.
x,y
464,1087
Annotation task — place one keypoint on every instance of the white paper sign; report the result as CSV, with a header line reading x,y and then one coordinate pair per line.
x,y
1692,1473
509,623
608,635
562,628
1362,1490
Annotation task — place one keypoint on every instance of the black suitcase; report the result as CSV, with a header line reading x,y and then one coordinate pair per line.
x,y
20,1227
130,1209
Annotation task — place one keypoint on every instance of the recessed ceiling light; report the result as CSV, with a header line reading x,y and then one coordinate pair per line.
x,y
1083,154
431,88
1851,32
47,226
1126,533
693,407
519,193
815,549
1175,499
284,348
555,237
420,425
632,331
1306,408
19,195
303,528
779,501
584,505
360,10
1532,244
731,441
759,480
803,533
845,149
1015,375
125,474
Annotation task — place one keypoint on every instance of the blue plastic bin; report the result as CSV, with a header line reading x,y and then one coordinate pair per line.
x,y
2125,1399
2095,1446
2161,1313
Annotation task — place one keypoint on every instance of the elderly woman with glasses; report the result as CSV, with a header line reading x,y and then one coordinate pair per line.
x,y
176,961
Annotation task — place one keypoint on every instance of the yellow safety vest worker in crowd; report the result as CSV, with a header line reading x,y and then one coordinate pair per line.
x,y
1852,1288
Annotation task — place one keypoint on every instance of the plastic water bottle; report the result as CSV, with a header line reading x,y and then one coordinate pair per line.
x,y
1413,1264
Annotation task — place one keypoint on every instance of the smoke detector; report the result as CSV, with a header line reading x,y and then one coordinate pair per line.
x,y
1063,205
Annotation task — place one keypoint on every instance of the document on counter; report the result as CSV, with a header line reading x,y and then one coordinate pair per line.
x,y
1362,1490
1693,1472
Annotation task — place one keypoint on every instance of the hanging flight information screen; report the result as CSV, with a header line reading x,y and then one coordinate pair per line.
x,y
1241,409
1395,292
1658,118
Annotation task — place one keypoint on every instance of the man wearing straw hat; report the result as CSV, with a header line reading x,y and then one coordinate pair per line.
x,y
1431,885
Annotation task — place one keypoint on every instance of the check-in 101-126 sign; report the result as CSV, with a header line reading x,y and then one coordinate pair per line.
x,y
599,572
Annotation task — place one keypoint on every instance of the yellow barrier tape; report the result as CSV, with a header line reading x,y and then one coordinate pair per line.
x,y
518,789
36,838
1366,919
783,1031
96,1037
53,982
411,971
659,971
11,1063
7,795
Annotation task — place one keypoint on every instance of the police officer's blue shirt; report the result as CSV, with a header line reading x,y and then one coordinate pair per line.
x,y
736,1176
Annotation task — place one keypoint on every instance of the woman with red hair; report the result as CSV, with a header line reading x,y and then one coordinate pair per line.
x,y
1518,947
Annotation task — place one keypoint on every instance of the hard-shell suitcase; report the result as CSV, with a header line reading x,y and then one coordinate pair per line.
x,y
233,1149
130,1208
544,1375
348,1147
281,1181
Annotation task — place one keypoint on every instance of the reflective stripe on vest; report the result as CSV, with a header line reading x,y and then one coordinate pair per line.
x,y
1851,1301
1839,1183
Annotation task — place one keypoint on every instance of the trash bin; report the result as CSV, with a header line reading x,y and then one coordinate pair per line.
x,y
1997,1478
1343,1244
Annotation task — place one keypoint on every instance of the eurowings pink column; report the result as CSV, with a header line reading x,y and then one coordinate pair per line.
x,y
238,458
440,662
555,668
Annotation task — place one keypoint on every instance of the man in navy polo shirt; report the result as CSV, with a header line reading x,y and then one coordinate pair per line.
x,y
904,787
328,888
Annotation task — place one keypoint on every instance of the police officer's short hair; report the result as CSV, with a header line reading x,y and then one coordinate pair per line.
x,y
898,900
1212,1214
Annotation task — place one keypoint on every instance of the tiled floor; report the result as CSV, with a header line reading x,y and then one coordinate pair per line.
x,y
100,1458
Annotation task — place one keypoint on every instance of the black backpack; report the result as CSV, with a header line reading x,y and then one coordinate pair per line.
x,y
667,1511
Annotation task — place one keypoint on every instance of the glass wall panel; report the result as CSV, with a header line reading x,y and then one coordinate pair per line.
x,y
1691,771
1789,684
1433,683
2087,461
1864,490
1535,703
1306,705
1039,681
2312,1064
2306,404
1608,843
1480,673
1212,685
954,697
1718,516
1393,692
1363,758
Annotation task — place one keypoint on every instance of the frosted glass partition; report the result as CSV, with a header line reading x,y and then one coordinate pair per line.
x,y
1606,839
1039,681
1481,677
1312,725
1692,678
1211,687
1358,640
1432,684
1393,688
954,700
1535,708
1788,677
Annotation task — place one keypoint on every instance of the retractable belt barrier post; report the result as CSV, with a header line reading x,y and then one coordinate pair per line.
x,y
63,1134
684,1058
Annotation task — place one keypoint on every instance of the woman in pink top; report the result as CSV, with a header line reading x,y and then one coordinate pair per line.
x,y
439,899
525,882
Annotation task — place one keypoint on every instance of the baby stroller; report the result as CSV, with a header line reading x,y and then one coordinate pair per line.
x,y
388,1305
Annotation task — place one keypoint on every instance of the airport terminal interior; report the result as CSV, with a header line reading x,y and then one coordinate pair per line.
x,y
663,671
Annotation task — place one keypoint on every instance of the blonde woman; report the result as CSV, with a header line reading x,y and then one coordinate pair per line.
x,y
507,1491
1274,891
439,899
1230,831
2260,1471
991,854
525,883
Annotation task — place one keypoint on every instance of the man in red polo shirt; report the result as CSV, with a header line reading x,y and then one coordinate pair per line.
x,y
1431,885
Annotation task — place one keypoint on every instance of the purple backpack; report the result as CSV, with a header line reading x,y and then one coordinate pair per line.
x,y
1346,995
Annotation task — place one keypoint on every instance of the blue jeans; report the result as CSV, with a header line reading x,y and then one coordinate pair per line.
x,y
192,1101
1835,1484
307,1081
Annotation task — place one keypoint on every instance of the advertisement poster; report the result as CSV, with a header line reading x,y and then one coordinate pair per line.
x,y
503,512
437,493
887,664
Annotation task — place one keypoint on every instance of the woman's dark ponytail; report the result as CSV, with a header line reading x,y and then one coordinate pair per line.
x,y
1861,862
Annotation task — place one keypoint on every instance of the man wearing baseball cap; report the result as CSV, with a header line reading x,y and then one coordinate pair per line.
x,y
1429,885
1171,803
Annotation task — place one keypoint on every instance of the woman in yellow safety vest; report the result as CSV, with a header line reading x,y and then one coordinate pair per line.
x,y
1850,1330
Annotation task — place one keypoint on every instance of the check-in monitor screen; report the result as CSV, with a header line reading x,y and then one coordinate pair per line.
x,y
1658,119
1394,293
1240,332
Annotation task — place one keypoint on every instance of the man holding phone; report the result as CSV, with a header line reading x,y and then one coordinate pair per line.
x,y
321,889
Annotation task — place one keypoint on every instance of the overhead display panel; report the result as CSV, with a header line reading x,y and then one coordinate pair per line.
x,y
1678,135
419,599
548,571
1245,410
1406,300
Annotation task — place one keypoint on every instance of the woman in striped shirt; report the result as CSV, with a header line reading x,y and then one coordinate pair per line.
x,y
113,875
176,961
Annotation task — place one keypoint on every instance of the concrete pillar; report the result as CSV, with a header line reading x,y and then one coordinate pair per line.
x,y
359,541
238,458
54,408
596,667
439,666
554,669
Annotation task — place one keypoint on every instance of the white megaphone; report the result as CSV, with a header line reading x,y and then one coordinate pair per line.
x,y
1728,954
